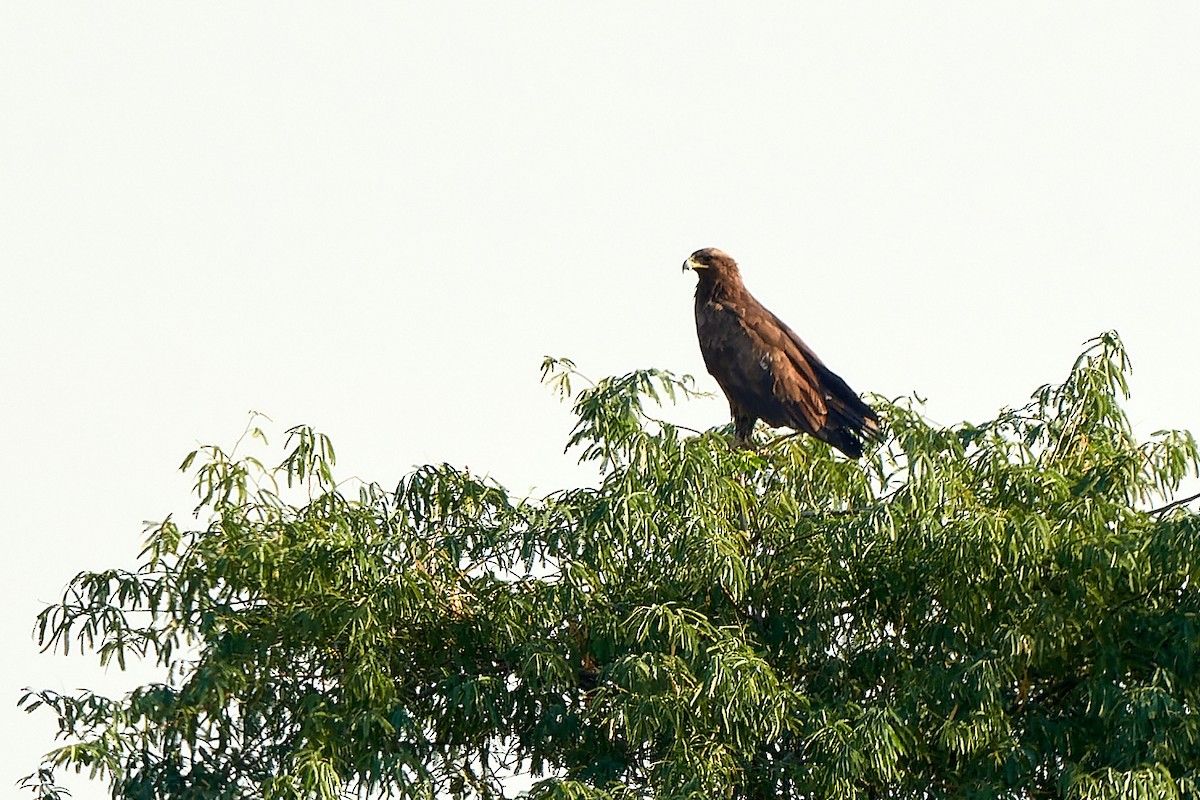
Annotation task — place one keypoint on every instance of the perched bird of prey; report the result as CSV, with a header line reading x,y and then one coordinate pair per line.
x,y
764,368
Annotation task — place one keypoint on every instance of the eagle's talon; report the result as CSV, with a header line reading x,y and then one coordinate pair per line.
x,y
740,443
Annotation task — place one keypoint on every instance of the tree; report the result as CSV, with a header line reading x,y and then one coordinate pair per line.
x,y
991,610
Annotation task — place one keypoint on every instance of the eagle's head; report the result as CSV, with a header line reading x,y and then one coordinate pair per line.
x,y
711,264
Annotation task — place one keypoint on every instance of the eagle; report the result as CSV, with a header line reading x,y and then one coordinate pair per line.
x,y
766,371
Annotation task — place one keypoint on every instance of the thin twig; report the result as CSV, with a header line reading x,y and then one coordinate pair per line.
x,y
780,440
841,512
663,424
1175,504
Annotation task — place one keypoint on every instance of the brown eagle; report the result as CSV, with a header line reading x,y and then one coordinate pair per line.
x,y
764,368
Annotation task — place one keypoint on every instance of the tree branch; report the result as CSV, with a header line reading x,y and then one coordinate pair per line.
x,y
1176,504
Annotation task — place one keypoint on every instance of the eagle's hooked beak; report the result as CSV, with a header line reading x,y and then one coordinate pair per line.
x,y
692,263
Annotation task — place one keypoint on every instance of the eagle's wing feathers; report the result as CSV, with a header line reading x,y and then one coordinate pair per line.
x,y
816,398
794,368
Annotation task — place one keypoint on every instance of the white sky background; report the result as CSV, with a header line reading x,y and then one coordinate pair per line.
x,y
377,218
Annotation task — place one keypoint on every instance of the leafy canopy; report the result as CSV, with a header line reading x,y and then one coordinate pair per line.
x,y
981,610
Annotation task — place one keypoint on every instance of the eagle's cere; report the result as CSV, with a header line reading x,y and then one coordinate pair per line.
x,y
764,368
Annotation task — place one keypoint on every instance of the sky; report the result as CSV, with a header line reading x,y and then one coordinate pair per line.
x,y
377,218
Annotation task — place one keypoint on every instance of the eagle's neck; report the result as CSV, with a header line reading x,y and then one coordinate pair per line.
x,y
719,288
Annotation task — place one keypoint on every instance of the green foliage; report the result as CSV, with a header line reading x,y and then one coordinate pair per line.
x,y
992,610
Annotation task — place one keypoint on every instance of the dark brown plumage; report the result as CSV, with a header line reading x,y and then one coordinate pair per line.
x,y
764,368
